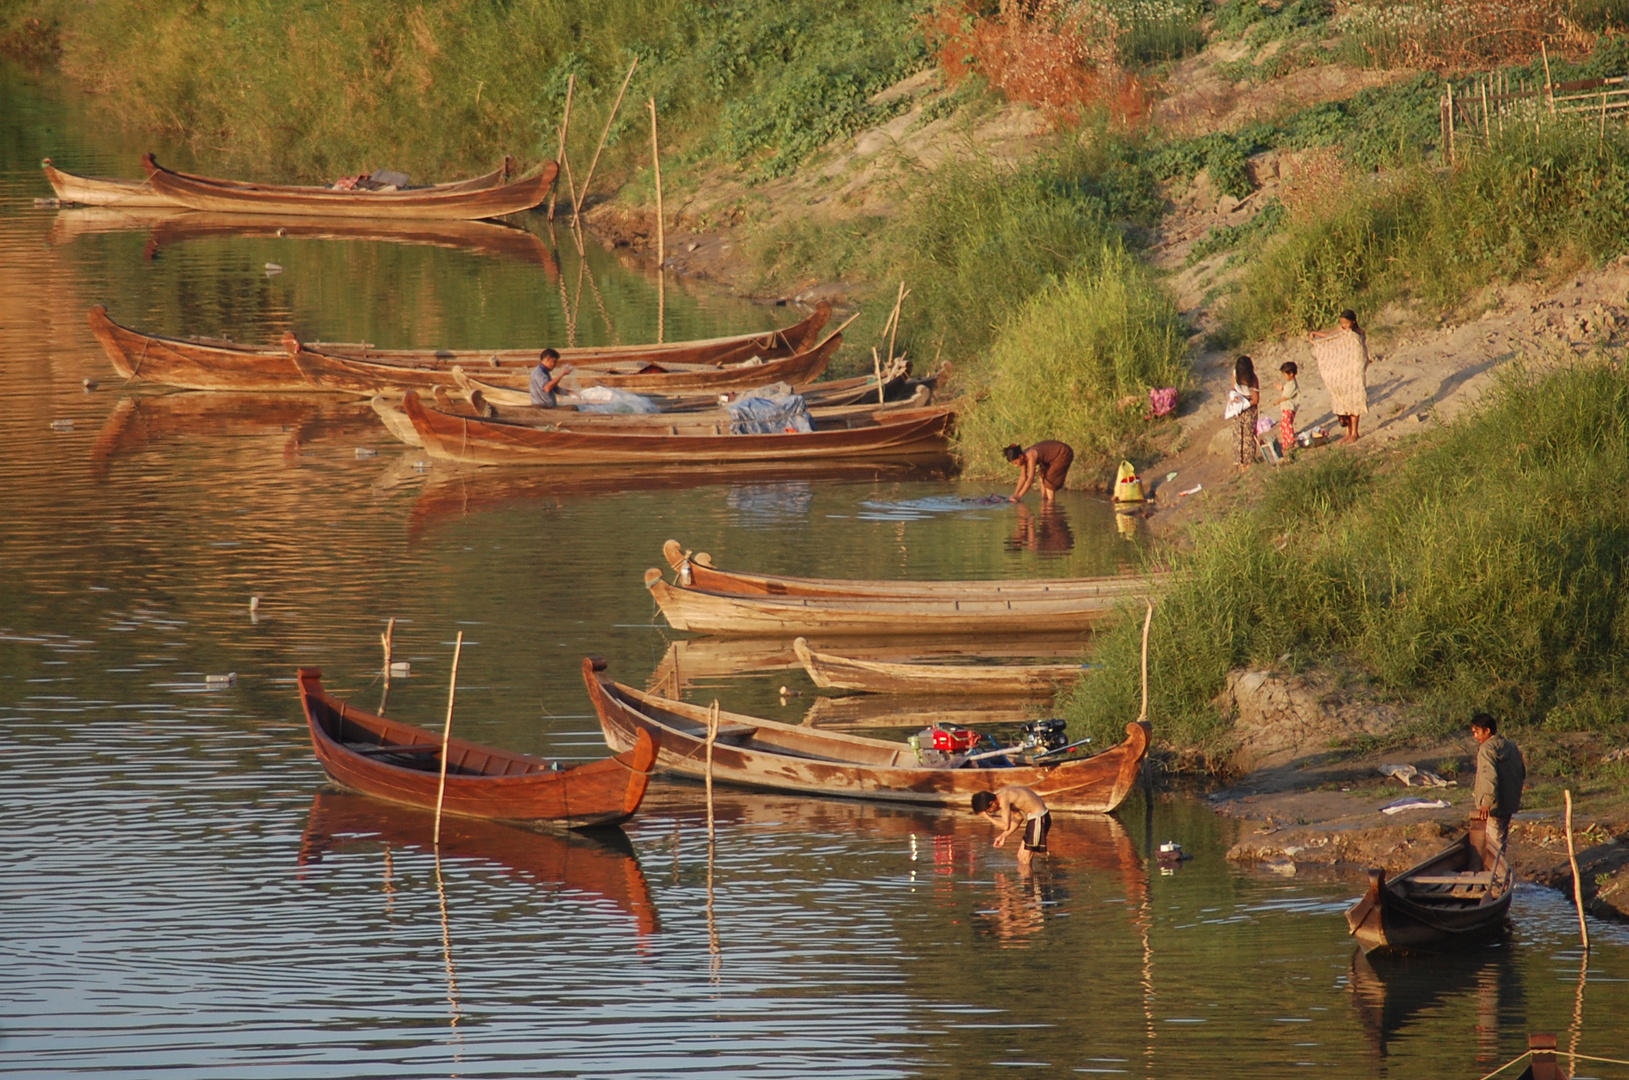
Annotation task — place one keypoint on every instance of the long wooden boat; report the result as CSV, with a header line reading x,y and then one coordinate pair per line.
x,y
600,863
475,441
913,712
464,200
833,672
1456,895
786,757
401,763
103,190
697,569
689,608
293,367
858,391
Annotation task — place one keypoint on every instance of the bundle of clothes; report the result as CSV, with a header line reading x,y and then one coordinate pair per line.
x,y
378,180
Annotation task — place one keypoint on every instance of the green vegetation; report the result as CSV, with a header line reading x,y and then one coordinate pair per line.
x,y
1552,200
1489,569
319,89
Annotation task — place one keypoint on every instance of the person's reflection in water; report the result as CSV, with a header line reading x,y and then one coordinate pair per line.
x,y
1019,911
1045,533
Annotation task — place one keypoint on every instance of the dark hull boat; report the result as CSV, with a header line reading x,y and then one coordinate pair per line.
x,y
1456,895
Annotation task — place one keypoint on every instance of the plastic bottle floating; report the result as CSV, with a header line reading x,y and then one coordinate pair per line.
x,y
1128,486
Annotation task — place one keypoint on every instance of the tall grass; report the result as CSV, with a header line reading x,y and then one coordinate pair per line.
x,y
444,86
1490,570
1076,363
1530,202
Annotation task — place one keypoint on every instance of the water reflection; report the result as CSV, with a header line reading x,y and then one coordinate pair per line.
x,y
1393,993
1045,532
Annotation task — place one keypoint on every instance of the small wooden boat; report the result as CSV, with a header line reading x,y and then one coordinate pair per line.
x,y
687,608
103,190
913,712
463,200
697,570
401,763
295,367
787,757
860,392
600,863
475,441
1455,895
833,672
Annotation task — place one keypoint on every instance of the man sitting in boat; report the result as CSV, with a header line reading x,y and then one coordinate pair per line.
x,y
1017,806
1500,774
1047,461
546,379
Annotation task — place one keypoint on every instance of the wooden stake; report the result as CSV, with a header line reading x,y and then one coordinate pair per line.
x,y
577,213
385,640
1601,137
1549,87
661,229
1577,885
1148,620
876,365
446,737
560,154
1451,160
712,736
1487,123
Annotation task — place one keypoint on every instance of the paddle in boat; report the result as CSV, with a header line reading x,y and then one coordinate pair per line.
x,y
833,672
760,753
1456,895
401,763
493,195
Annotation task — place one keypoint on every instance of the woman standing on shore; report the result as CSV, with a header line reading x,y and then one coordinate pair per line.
x,y
1243,406
1343,363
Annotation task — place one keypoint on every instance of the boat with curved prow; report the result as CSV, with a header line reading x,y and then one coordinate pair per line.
x,y
1456,895
464,200
401,763
754,752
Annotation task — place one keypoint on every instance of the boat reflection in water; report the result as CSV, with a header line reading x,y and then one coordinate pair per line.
x,y
286,421
1045,532
1396,991
600,863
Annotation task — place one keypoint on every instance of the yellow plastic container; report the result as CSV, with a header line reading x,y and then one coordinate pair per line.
x,y
1128,488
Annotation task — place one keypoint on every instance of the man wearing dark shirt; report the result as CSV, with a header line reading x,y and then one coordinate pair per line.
x,y
546,378
1500,773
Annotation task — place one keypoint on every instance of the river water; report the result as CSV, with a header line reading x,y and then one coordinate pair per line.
x,y
183,896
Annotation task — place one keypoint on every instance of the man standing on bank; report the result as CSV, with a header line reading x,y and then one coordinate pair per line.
x,y
1500,773
1047,461
545,382
1019,806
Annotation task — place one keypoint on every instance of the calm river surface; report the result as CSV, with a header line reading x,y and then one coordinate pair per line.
x,y
182,896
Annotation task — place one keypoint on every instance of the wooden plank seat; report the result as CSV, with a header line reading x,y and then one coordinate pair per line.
x,y
1468,877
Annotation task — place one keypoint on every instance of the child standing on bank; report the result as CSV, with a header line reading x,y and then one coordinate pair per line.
x,y
1289,399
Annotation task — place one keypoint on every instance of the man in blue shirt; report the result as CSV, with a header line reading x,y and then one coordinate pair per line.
x,y
546,378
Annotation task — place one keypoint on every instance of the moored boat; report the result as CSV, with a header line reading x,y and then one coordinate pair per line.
x,y
761,753
697,570
295,367
1456,895
474,440
492,195
830,671
401,763
103,190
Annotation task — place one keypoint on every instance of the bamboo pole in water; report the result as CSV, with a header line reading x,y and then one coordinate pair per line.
x,y
560,154
661,229
1577,885
446,738
712,736
385,639
577,211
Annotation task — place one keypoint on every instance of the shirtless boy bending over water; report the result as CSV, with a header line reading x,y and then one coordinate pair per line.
x,y
1018,807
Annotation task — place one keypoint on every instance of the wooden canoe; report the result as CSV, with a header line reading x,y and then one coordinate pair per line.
x,y
697,570
688,608
472,440
400,763
103,190
1456,895
464,200
833,672
600,863
761,753
860,391
218,364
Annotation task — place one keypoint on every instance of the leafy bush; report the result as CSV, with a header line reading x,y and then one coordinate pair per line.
x,y
1062,366
1489,571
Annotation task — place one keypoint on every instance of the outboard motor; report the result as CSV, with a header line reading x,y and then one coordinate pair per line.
x,y
1045,734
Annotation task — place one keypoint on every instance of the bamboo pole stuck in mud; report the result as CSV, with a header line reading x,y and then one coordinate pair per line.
x,y
1577,885
386,640
712,737
1148,621
446,738
1487,122
560,154
661,229
577,209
